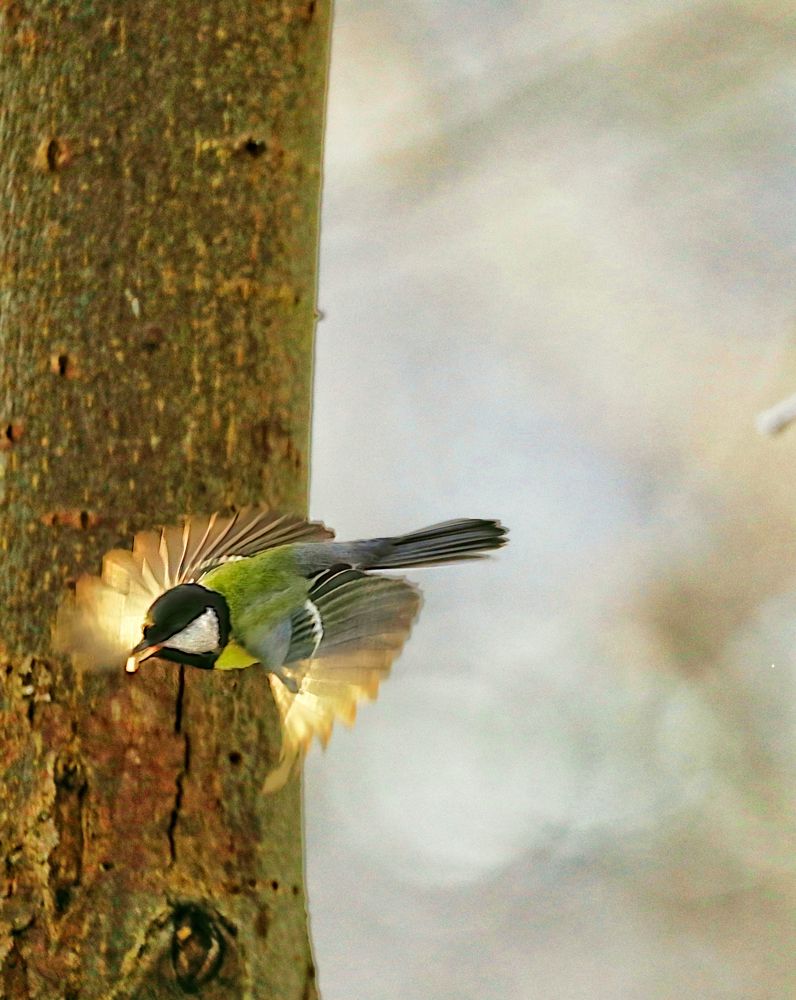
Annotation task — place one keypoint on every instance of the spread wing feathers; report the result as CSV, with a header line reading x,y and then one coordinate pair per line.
x,y
186,552
365,621
101,621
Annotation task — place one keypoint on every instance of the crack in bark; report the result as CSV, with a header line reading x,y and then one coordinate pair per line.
x,y
180,699
179,785
179,781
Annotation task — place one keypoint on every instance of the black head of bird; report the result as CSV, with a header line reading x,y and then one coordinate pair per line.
x,y
188,624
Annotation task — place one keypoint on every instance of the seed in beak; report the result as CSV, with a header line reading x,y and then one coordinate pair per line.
x,y
134,660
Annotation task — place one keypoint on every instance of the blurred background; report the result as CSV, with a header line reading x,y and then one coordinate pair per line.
x,y
557,284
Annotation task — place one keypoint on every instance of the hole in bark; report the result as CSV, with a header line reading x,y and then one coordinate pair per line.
x,y
63,896
274,885
296,890
197,947
107,866
53,149
262,922
11,435
62,365
235,758
82,519
152,339
52,155
69,775
254,147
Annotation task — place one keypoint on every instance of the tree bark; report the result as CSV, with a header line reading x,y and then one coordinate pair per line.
x,y
159,177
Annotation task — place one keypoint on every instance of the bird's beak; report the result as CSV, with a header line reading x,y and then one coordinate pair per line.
x,y
141,652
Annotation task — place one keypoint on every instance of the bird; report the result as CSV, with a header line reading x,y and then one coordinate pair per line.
x,y
229,591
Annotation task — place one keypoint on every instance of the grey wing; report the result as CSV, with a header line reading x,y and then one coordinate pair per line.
x,y
348,610
343,643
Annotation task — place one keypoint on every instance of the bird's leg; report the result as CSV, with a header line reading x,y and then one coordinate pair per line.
x,y
288,680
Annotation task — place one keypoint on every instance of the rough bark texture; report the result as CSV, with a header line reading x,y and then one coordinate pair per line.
x,y
159,181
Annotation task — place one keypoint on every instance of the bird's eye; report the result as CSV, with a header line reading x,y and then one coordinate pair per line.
x,y
146,629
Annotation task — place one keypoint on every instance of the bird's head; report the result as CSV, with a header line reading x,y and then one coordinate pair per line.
x,y
188,624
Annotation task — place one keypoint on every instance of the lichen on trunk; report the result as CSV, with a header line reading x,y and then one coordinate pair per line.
x,y
159,187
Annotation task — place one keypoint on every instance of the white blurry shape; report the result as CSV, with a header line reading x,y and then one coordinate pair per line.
x,y
398,111
458,777
778,417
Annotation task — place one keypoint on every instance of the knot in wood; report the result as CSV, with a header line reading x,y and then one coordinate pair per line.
x,y
197,947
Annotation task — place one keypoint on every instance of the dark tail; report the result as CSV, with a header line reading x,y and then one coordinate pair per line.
x,y
450,541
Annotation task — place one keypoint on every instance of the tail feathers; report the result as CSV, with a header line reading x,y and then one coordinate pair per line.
x,y
451,541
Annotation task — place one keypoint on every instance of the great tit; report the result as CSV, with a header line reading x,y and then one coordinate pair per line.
x,y
227,592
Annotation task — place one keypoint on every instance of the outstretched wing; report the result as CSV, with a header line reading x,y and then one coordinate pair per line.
x,y
101,621
186,552
344,642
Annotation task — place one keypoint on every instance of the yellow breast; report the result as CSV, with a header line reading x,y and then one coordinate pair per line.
x,y
234,657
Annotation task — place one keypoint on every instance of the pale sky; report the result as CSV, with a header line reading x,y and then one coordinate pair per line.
x,y
557,283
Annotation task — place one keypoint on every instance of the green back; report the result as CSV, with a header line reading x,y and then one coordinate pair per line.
x,y
261,590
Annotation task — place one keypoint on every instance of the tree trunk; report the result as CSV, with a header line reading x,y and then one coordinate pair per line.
x,y
159,177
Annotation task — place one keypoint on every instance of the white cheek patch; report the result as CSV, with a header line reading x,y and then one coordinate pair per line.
x,y
201,636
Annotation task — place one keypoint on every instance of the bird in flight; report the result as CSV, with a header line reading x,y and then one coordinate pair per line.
x,y
226,592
